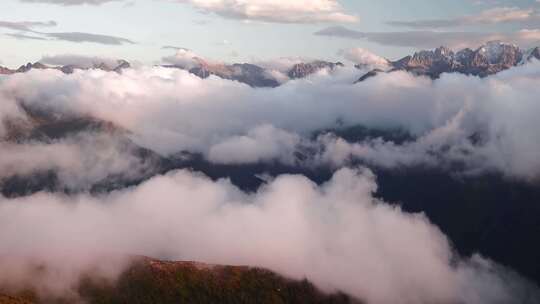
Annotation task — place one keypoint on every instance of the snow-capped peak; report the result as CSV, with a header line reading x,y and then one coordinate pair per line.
x,y
493,50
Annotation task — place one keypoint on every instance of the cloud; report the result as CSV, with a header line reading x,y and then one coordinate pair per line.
x,y
88,37
26,26
184,58
364,58
29,26
187,59
172,47
524,17
79,161
262,144
305,11
281,64
170,110
71,2
432,39
24,37
337,235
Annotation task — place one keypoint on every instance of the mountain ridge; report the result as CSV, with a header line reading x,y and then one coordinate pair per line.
x,y
488,59
67,69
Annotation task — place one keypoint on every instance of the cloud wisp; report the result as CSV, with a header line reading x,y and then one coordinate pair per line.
x,y
31,27
26,26
89,37
528,18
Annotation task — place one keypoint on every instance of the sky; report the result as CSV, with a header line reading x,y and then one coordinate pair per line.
x,y
252,30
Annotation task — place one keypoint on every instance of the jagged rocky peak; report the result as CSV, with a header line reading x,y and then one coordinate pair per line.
x,y
493,57
427,58
117,67
29,66
401,63
488,59
497,52
122,64
302,70
247,73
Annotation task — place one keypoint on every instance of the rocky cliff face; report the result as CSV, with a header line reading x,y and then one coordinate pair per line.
x,y
302,70
256,76
249,74
29,66
489,59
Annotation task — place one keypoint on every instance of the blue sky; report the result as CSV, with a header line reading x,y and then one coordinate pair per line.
x,y
223,33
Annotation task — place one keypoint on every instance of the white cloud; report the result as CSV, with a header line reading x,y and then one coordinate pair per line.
x,y
184,58
365,58
170,110
264,143
26,26
281,64
337,235
89,37
432,39
79,161
495,15
299,11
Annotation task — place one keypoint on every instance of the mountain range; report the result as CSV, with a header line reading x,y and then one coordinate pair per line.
x,y
254,75
68,69
490,58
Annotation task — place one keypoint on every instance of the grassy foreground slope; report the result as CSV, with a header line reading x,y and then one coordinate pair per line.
x,y
149,281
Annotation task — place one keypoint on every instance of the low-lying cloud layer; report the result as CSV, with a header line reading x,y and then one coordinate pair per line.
x,y
486,124
336,235
79,162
